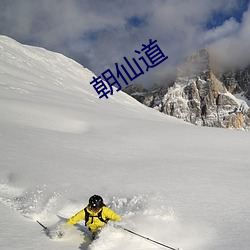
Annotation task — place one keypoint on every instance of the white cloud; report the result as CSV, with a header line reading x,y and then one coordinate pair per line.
x,y
233,50
228,28
97,32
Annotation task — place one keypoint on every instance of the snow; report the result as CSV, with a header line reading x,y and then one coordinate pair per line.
x,y
182,185
242,98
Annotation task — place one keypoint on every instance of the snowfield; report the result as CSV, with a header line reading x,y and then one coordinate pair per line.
x,y
182,185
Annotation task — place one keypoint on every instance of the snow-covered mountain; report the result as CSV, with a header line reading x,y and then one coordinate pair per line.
x,y
182,185
201,95
237,81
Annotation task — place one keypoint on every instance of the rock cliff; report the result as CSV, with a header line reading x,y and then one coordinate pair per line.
x,y
200,96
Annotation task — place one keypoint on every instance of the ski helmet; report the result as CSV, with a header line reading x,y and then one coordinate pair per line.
x,y
96,202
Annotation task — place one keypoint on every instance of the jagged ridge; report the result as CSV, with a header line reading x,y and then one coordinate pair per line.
x,y
200,96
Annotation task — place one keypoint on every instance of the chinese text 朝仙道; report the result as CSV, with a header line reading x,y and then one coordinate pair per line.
x,y
154,57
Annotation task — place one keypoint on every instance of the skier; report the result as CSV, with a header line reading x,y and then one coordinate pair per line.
x,y
95,214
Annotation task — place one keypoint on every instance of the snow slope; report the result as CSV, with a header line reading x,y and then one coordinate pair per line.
x,y
176,183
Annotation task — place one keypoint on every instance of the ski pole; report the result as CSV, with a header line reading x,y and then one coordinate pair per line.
x,y
146,238
45,228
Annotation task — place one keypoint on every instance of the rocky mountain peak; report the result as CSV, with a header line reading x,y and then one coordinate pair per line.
x,y
202,97
197,64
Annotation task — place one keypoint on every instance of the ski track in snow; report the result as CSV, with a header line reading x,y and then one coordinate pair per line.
x,y
43,117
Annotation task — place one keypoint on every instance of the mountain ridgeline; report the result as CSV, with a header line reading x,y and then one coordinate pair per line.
x,y
202,95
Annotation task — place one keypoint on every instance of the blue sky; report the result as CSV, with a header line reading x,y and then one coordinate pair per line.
x,y
218,17
100,33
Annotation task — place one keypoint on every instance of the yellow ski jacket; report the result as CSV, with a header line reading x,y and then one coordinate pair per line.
x,y
94,223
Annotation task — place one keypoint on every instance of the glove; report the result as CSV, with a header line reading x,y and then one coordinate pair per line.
x,y
62,229
60,234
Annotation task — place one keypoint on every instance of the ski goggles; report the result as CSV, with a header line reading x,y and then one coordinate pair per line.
x,y
94,208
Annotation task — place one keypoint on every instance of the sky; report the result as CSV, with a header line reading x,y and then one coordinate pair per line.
x,y
99,33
